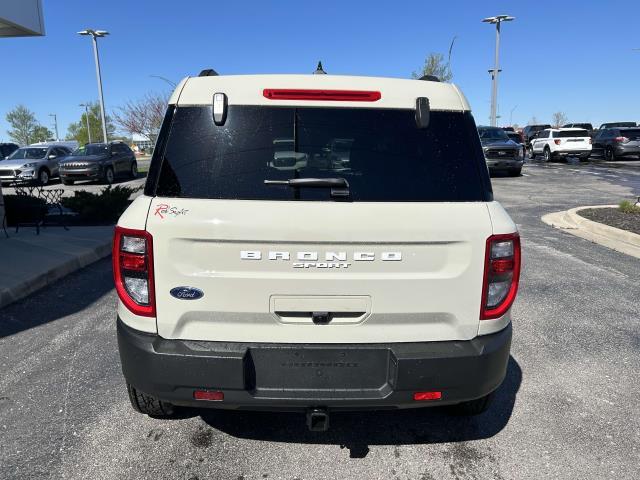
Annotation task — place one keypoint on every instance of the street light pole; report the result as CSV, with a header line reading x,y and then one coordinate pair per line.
x,y
497,20
95,34
511,116
86,116
55,122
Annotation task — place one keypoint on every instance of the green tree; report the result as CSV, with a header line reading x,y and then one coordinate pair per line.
x,y
78,130
23,123
41,134
434,64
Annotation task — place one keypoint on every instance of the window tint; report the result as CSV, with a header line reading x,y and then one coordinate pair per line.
x,y
631,133
571,134
380,152
543,134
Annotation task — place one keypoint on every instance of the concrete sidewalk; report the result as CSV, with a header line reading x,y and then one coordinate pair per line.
x,y
30,262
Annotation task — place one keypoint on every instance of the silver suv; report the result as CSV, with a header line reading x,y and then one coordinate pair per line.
x,y
315,243
35,163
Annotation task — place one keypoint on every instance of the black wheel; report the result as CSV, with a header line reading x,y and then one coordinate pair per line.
x,y
66,181
530,153
474,407
133,172
143,403
108,176
43,176
609,154
515,172
584,158
547,154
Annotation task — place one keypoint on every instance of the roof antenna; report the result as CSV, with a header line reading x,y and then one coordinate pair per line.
x,y
319,70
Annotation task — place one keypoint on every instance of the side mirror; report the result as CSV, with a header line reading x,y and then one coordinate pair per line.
x,y
423,112
51,157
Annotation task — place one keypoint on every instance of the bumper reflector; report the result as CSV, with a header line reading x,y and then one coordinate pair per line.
x,y
422,396
208,395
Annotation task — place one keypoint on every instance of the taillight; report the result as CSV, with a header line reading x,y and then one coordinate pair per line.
x,y
335,95
590,141
133,270
557,141
501,275
621,139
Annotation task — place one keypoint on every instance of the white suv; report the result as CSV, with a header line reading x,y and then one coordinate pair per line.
x,y
366,267
561,142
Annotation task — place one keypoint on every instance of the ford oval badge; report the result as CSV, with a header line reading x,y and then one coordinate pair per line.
x,y
186,293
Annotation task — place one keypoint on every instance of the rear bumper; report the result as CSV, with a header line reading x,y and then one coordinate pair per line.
x,y
571,153
261,376
622,150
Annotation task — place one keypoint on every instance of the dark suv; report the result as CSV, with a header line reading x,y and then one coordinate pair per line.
x,y
530,131
617,142
99,161
7,149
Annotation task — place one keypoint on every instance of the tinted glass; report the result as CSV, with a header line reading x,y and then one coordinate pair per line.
x,y
571,134
28,153
631,133
381,153
90,150
492,134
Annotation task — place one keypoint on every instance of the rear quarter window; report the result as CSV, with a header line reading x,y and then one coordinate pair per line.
x,y
380,152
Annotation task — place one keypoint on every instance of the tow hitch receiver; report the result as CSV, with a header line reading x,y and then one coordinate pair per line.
x,y
318,420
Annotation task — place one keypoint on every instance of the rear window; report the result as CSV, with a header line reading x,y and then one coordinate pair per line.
x,y
631,133
380,152
571,134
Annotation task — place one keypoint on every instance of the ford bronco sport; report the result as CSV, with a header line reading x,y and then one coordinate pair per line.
x,y
315,243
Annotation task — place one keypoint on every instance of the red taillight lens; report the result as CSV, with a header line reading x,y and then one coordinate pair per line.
x,y
501,275
335,95
590,141
621,139
133,270
208,395
557,141
422,396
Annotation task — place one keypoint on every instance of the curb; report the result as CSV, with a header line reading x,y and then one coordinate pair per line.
x,y
17,292
611,237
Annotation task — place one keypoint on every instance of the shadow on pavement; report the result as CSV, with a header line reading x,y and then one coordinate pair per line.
x,y
68,296
358,430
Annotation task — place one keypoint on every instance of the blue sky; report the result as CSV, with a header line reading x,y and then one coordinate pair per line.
x,y
574,56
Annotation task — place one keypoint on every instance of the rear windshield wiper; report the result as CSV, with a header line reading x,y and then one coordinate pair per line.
x,y
339,186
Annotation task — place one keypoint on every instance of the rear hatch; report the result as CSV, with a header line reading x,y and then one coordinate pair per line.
x,y
573,139
399,259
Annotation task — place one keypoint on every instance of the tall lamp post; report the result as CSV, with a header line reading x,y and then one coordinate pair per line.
x,y
86,116
95,34
497,20
55,122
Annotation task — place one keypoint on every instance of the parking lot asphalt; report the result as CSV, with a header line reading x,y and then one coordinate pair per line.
x,y
567,409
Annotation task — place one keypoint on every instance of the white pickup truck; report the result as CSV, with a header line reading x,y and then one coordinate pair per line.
x,y
377,273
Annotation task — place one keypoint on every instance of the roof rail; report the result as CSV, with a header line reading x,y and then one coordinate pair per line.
x,y
429,78
208,72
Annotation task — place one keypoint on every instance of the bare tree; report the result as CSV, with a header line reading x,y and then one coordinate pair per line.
x,y
558,119
434,64
533,121
143,116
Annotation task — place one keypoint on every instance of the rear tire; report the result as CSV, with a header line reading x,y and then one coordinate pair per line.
x,y
66,181
516,172
108,176
143,403
609,154
133,172
474,407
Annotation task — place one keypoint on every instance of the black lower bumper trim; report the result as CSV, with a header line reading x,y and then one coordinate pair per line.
x,y
268,376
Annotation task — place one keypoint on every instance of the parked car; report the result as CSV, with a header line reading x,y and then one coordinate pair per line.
x,y
99,161
7,149
383,280
32,164
500,152
617,142
553,143
584,126
617,124
530,131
